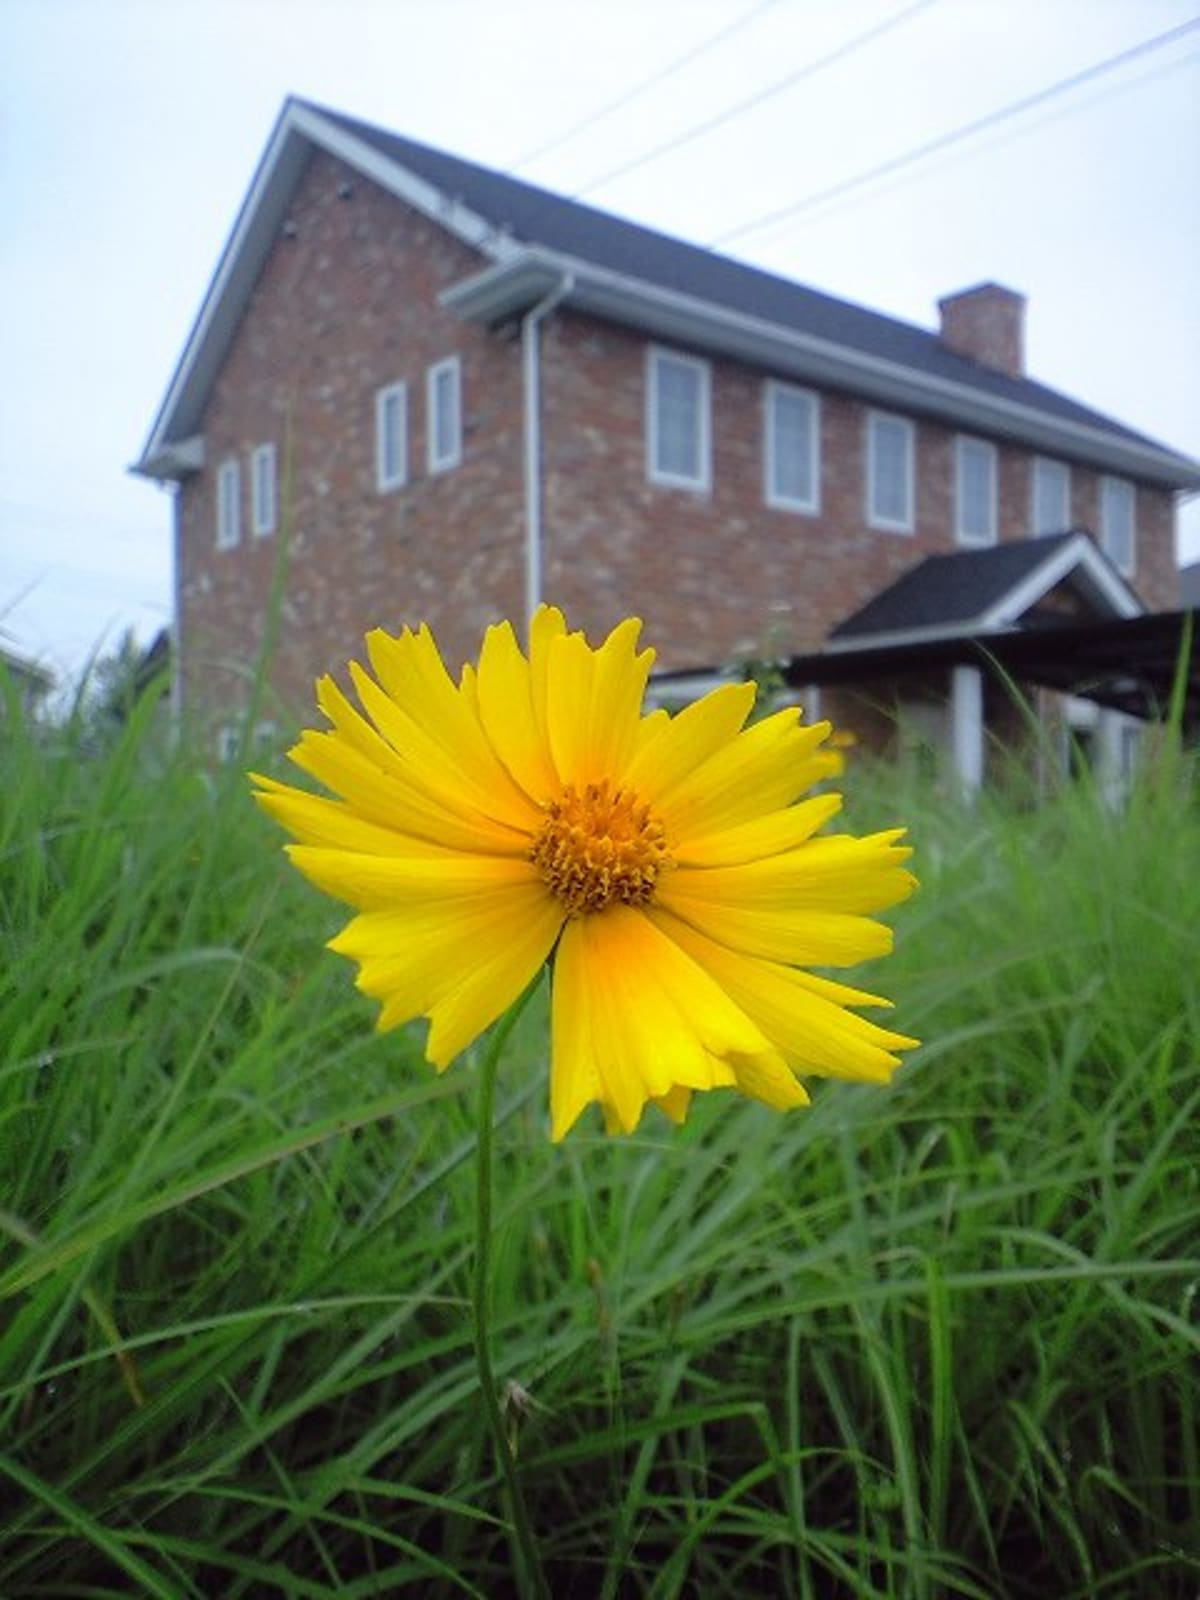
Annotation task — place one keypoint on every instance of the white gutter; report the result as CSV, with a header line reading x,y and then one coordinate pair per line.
x,y
531,374
500,289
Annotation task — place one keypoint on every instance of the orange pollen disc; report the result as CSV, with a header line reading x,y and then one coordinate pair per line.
x,y
598,847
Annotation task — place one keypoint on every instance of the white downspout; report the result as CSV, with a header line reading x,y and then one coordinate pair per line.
x,y
531,367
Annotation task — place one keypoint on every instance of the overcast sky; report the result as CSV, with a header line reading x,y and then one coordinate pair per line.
x,y
129,131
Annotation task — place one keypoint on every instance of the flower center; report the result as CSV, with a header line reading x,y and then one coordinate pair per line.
x,y
598,846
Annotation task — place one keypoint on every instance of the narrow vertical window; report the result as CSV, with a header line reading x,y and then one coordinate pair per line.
x,y
391,438
678,421
229,505
792,457
1118,532
975,490
890,472
1050,499
263,493
443,403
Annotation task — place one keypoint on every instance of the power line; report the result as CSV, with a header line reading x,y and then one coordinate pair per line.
x,y
834,209
651,82
721,117
956,135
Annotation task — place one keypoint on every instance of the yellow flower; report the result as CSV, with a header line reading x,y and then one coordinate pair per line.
x,y
665,863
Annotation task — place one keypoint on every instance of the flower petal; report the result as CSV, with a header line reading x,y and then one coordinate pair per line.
x,y
815,1032
390,799
685,741
459,961
834,873
504,689
762,769
794,937
635,1019
765,836
593,703
435,728
314,819
381,882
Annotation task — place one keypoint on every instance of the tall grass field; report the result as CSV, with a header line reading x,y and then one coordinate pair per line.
x,y
937,1339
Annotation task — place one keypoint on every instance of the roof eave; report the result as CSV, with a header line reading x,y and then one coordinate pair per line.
x,y
509,287
173,461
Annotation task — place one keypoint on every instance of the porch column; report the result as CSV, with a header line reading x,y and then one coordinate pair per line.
x,y
1112,774
966,710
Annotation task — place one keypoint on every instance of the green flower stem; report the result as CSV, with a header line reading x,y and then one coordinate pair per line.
x,y
531,1561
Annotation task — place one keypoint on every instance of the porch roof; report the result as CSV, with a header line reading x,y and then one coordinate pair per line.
x,y
1127,663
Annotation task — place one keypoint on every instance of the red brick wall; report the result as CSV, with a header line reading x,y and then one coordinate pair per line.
x,y
720,573
347,303
345,306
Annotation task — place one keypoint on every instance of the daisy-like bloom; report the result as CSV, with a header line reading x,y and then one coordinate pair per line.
x,y
666,863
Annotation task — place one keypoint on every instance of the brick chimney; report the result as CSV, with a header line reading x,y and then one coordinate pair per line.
x,y
986,323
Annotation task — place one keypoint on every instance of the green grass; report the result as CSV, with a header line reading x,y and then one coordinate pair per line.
x,y
934,1340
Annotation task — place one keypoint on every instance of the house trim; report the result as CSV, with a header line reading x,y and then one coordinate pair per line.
x,y
1112,480
664,478
1036,462
386,482
443,460
964,442
884,524
772,391
264,490
228,507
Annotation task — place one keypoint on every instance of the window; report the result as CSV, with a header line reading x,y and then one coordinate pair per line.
x,y
262,490
792,460
1050,507
889,472
229,505
975,490
443,401
678,430
229,743
1117,530
391,438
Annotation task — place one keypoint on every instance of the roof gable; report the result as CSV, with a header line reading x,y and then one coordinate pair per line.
x,y
987,591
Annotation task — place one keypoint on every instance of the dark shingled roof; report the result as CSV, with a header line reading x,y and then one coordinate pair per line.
x,y
945,590
1129,663
535,216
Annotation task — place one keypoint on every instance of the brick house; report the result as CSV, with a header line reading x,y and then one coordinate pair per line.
x,y
419,390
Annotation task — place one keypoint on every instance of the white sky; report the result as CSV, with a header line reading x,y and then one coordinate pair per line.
x,y
129,131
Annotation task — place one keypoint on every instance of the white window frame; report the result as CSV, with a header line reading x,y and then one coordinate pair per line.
x,y
386,481
264,491
876,519
702,482
444,455
1062,472
1108,485
964,444
229,504
773,392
